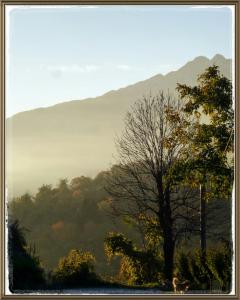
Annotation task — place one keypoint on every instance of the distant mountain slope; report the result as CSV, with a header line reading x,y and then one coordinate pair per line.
x,y
77,138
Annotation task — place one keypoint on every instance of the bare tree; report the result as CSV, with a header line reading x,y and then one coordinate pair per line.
x,y
147,184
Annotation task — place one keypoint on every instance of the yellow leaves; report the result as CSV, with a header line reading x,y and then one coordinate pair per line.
x,y
167,143
108,251
147,218
73,262
128,271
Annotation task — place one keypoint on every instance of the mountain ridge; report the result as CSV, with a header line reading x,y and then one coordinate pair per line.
x,y
76,137
205,59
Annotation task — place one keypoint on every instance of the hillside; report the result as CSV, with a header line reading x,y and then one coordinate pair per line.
x,y
76,215
77,138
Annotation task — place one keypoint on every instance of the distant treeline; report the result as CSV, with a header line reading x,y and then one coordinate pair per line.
x,y
70,215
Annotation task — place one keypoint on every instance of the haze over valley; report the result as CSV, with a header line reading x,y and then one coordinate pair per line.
x,y
76,138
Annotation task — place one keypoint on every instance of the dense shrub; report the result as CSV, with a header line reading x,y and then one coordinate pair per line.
x,y
183,267
218,268
137,266
220,264
76,269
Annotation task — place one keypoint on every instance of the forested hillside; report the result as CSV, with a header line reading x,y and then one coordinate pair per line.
x,y
76,214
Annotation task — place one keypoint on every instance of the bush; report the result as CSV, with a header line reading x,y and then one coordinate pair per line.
x,y
220,264
76,269
183,267
137,266
188,267
141,269
218,268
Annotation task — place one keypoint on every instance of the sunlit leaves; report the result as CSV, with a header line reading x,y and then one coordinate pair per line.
x,y
74,269
137,266
212,142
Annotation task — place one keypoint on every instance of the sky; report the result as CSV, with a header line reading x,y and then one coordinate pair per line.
x,y
62,53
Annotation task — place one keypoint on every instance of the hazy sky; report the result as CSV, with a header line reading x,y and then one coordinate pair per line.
x,y
57,54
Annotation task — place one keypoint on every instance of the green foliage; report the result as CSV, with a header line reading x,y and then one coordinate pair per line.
x,y
76,269
213,94
152,233
25,270
199,270
183,266
220,264
211,157
212,144
137,266
117,244
218,267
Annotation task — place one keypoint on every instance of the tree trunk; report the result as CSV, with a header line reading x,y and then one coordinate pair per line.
x,y
203,238
168,251
166,223
203,242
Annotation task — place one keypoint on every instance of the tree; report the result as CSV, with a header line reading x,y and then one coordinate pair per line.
x,y
145,184
25,271
211,166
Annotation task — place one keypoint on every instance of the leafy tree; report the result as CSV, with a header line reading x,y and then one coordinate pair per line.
x,y
81,184
76,269
19,209
146,183
25,270
211,166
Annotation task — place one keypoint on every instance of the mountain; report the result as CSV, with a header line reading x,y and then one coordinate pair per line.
x,y
76,138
